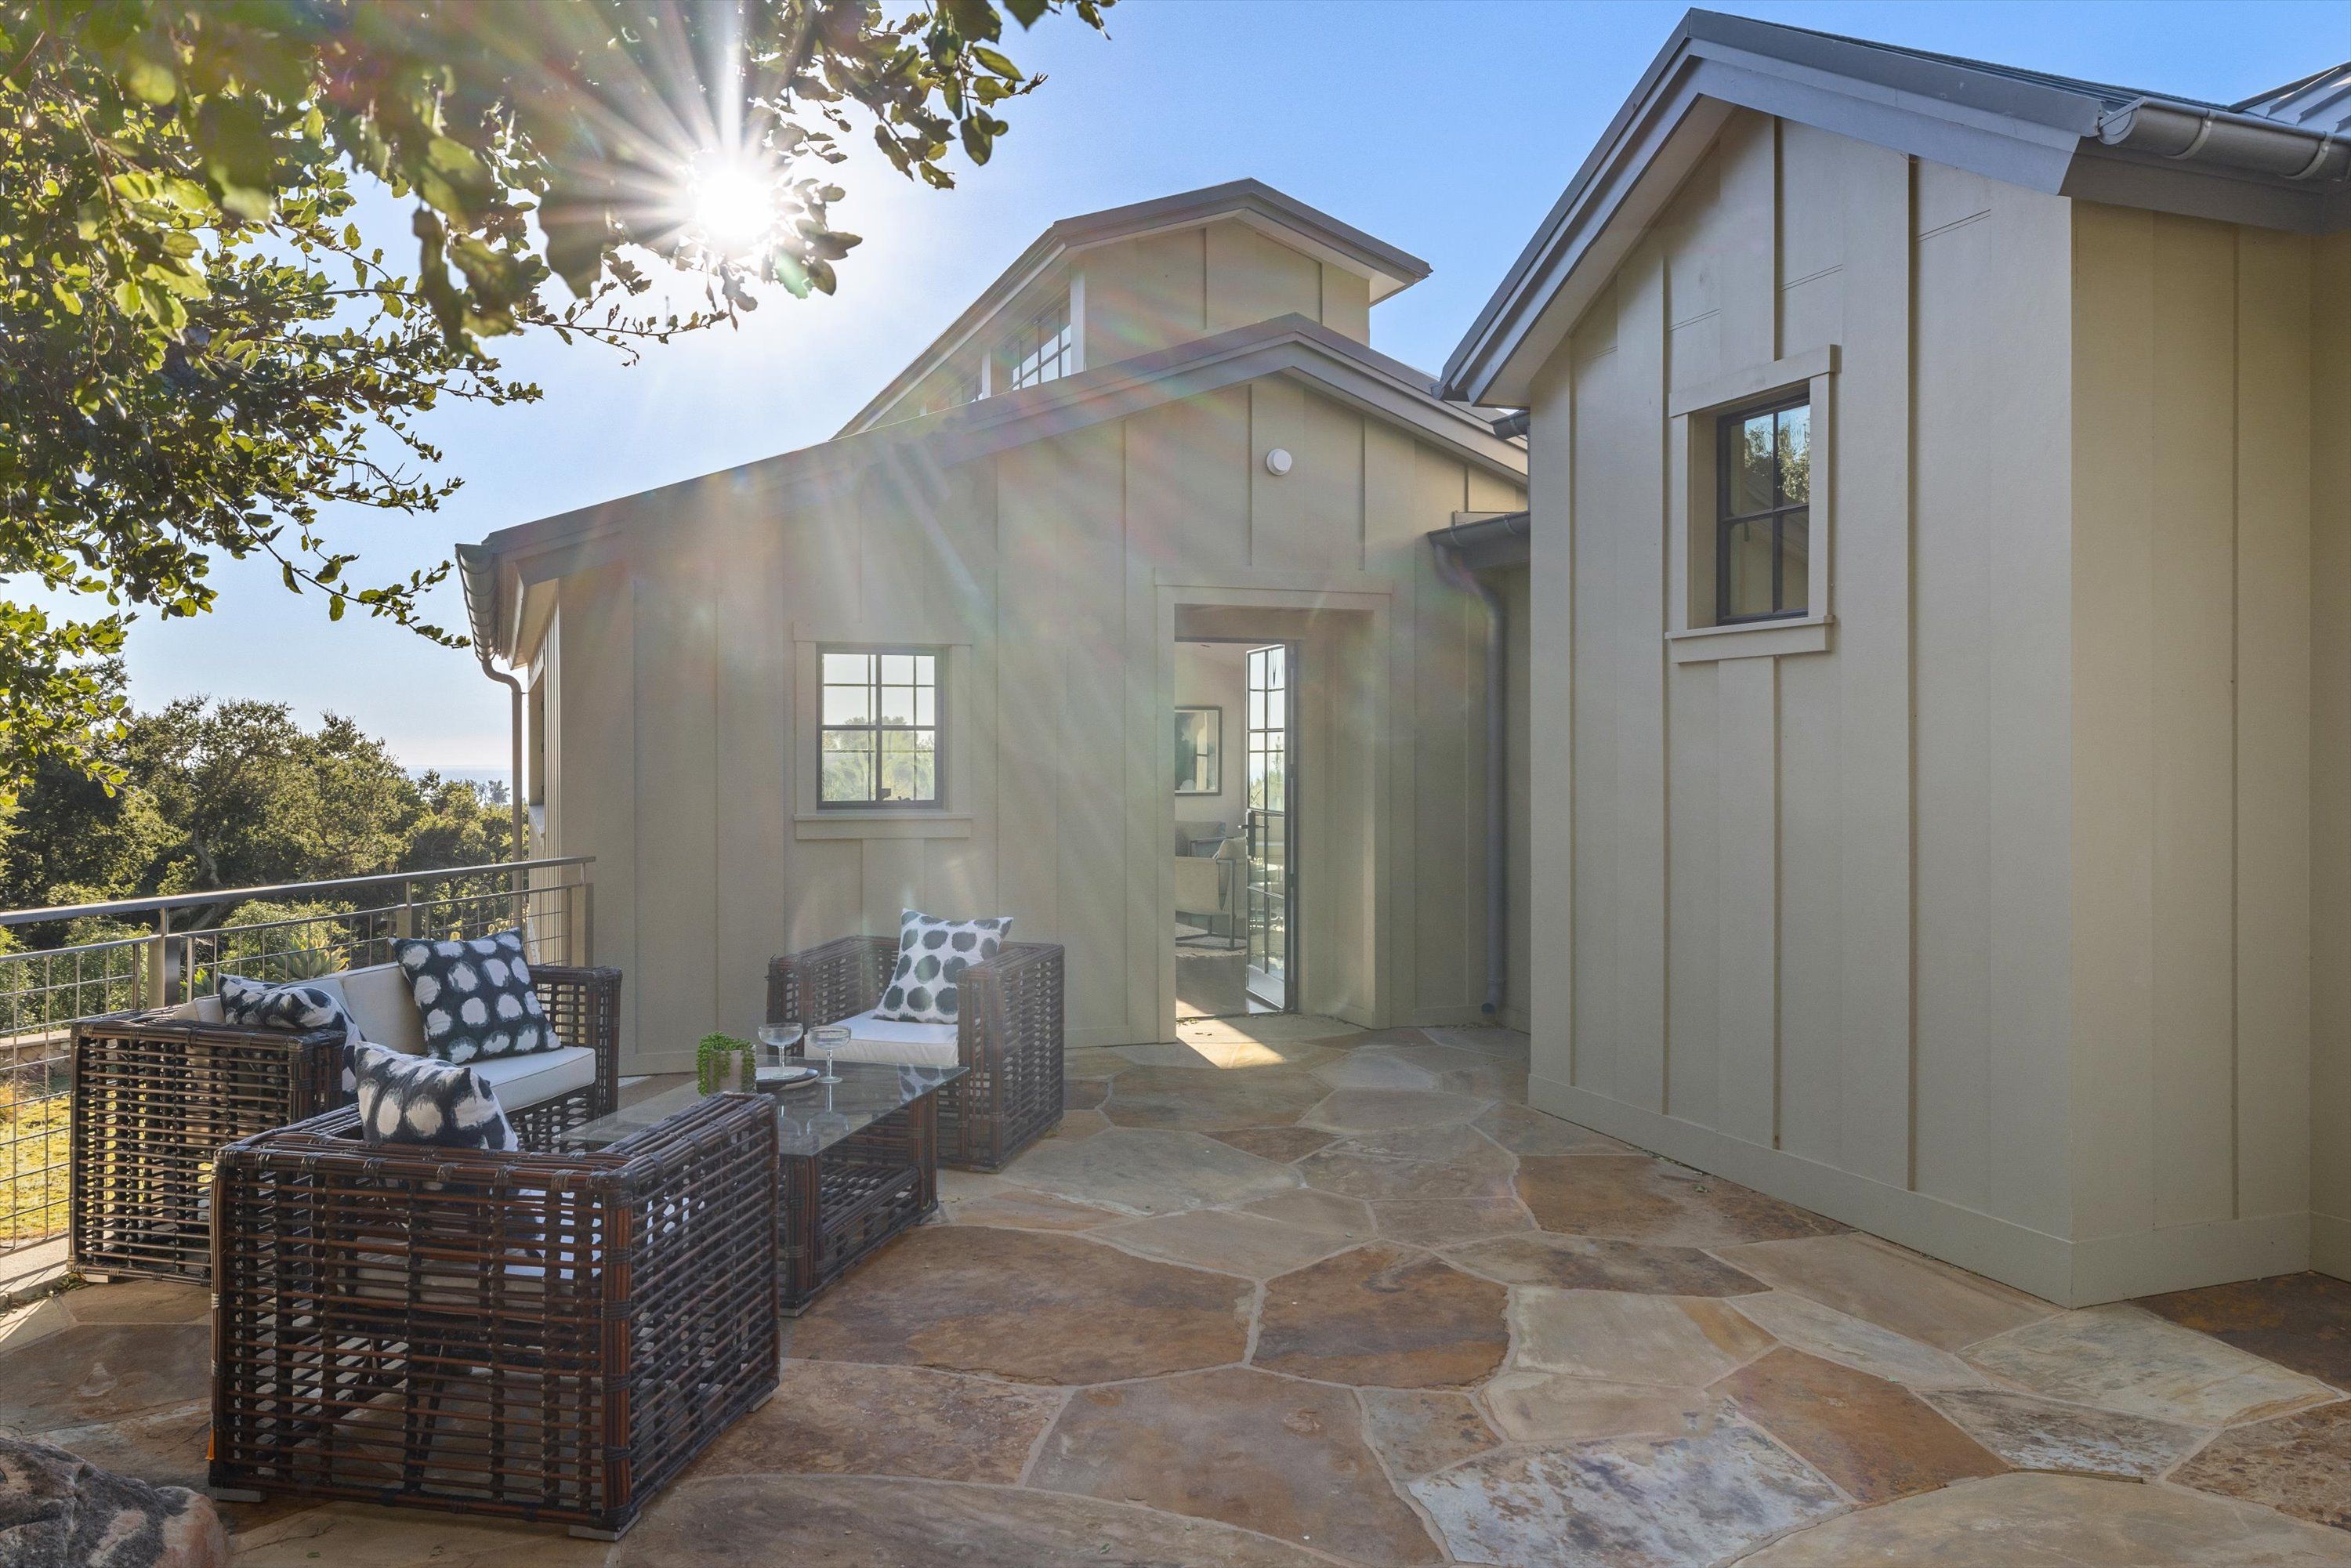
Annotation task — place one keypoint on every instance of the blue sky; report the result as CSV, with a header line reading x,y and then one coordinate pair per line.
x,y
1446,128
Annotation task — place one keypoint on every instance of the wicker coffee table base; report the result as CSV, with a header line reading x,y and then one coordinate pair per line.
x,y
840,1205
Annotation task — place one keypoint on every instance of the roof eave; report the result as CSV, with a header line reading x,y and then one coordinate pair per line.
x,y
1348,371
2027,132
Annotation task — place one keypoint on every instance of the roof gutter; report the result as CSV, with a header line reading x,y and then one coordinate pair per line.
x,y
2242,143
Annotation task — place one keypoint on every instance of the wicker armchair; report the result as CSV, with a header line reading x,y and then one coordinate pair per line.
x,y
155,1095
548,1336
1007,1034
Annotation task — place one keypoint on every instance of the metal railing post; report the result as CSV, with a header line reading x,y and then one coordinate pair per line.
x,y
167,970
151,969
404,919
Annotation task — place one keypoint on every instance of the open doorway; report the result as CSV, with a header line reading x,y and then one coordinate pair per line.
x,y
1236,827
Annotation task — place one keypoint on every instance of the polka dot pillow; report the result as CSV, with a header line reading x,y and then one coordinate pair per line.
x,y
416,1100
933,954
474,997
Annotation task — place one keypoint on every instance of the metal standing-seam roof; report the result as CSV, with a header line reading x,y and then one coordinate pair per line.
x,y
2320,101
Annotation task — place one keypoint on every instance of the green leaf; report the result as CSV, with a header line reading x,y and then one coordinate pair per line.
x,y
148,72
239,160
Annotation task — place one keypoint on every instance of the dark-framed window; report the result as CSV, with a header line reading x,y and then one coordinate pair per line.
x,y
1043,350
1763,496
878,735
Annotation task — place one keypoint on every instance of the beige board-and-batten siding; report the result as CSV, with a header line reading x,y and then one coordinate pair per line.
x,y
1056,577
1982,924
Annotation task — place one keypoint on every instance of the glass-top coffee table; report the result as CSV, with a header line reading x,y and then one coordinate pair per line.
x,y
860,1162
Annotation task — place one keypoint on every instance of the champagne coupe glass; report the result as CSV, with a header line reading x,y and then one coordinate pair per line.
x,y
828,1039
776,1042
828,1125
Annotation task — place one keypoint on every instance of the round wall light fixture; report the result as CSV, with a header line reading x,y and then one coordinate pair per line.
x,y
1277,462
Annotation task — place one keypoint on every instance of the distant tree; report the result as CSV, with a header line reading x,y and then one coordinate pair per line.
x,y
237,794
461,823
200,348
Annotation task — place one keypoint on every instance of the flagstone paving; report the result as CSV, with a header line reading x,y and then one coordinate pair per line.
x,y
1284,1294
1383,1316
2120,1358
1877,1441
2035,1434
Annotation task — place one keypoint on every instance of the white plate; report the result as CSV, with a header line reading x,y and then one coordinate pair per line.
x,y
786,1079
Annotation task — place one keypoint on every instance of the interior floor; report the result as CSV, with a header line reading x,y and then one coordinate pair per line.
x,y
1212,980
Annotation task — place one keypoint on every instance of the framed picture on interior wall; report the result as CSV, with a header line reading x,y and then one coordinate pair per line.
x,y
1199,750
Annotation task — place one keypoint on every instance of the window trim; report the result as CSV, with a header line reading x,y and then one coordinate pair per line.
x,y
1027,341
1694,634
938,727
1778,512
797,747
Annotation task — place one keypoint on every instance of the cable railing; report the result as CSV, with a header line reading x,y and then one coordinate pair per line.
x,y
79,961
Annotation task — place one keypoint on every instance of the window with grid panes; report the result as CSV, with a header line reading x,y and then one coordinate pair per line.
x,y
877,737
1041,350
1763,494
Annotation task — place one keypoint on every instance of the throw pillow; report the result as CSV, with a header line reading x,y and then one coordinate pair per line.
x,y
933,954
296,1009
475,996
417,1100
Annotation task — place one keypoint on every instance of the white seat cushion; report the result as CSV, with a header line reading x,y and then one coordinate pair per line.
x,y
198,1009
380,1002
538,1076
894,1044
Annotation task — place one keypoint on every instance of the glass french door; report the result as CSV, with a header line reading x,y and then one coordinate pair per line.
x,y
1271,874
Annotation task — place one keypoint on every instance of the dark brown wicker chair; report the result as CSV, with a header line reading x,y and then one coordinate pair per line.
x,y
1007,1033
155,1096
546,1336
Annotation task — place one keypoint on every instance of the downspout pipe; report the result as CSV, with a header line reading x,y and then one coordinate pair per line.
x,y
1448,545
514,733
475,577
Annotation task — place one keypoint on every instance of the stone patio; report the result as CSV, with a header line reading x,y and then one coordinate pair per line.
x,y
1287,1294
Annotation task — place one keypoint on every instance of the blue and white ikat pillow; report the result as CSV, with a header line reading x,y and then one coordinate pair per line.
x,y
416,1100
296,1008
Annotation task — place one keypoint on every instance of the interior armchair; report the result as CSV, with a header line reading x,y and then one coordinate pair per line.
x,y
1007,1034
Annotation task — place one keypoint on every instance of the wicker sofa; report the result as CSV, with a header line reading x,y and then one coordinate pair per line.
x,y
156,1094
1007,1033
538,1335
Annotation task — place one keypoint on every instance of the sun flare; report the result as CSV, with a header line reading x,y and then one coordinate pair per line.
x,y
732,203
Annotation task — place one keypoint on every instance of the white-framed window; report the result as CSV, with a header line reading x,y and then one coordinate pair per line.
x,y
953,394
1043,349
879,727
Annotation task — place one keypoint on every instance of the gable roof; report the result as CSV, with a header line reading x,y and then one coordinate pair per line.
x,y
1254,202
1336,365
2274,161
